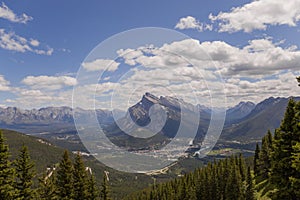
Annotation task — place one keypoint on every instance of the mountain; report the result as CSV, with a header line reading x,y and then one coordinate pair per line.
x,y
239,111
161,115
50,119
264,116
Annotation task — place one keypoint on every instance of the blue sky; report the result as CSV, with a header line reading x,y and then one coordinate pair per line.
x,y
43,43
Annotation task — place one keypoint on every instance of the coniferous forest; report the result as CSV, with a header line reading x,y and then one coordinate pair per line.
x,y
273,173
69,180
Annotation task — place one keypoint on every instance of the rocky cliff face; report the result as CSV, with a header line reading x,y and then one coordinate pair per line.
x,y
152,112
239,111
140,112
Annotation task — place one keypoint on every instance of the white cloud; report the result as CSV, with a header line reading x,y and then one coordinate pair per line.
x,y
259,57
14,42
34,42
190,22
252,72
259,14
4,84
101,65
8,14
28,98
130,55
49,82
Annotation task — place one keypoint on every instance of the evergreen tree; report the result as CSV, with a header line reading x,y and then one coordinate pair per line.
x,y
282,170
264,156
233,188
64,181
47,189
256,160
295,179
242,168
80,179
7,190
105,189
249,194
24,174
199,186
93,192
218,180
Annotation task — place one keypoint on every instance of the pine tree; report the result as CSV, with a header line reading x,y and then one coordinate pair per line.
x,y
249,194
242,168
256,160
47,189
64,181
233,189
295,179
80,179
7,190
93,191
264,156
282,170
105,189
25,173
199,185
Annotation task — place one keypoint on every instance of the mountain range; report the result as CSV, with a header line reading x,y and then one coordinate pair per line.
x,y
266,115
243,121
50,119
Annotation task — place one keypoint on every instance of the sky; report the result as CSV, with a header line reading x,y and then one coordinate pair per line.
x,y
206,51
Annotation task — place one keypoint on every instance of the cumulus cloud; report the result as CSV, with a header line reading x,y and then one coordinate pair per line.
x,y
101,65
49,82
190,22
258,57
8,14
258,14
12,41
185,69
34,98
252,72
4,84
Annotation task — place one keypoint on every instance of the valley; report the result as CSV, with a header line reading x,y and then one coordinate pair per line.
x,y
59,133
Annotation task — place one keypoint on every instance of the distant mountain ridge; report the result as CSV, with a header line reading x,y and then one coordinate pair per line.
x,y
245,120
49,119
266,115
239,111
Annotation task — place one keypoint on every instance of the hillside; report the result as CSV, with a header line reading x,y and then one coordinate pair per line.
x,y
266,115
45,154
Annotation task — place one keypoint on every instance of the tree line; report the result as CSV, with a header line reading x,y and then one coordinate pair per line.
x,y
226,179
68,181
